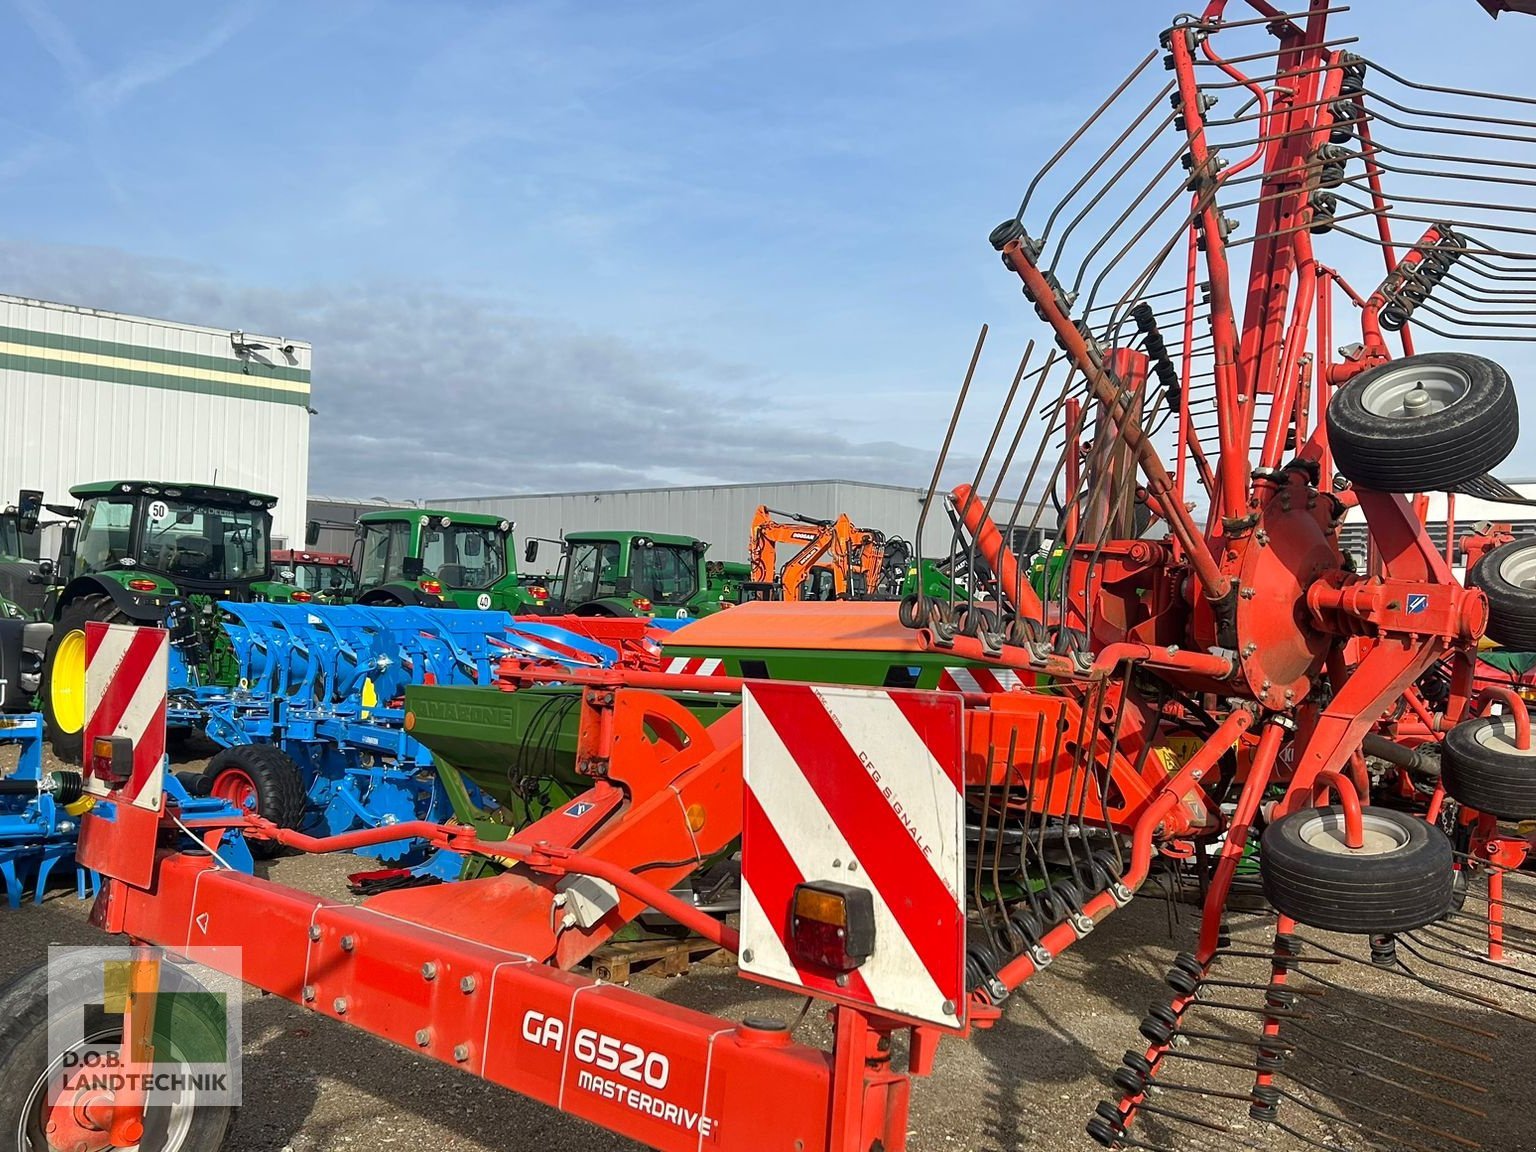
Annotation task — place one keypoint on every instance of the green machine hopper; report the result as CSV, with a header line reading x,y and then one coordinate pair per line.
x,y
520,746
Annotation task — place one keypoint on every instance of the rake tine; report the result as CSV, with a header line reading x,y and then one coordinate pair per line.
x,y
1208,1125
1439,1041
1403,972
1468,1085
1305,1139
1404,941
949,435
1364,1107
1473,934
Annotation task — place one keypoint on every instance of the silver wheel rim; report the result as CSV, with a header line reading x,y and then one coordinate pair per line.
x,y
1408,391
1498,735
1324,831
1519,567
181,1107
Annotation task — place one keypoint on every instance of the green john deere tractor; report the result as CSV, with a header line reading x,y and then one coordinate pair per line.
x,y
432,559
132,550
641,574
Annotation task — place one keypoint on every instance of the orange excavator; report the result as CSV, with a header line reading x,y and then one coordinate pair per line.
x,y
835,560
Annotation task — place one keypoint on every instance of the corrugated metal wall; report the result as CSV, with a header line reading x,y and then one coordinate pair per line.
x,y
88,395
337,520
722,514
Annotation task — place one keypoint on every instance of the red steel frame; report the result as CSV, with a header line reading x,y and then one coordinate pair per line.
x,y
474,975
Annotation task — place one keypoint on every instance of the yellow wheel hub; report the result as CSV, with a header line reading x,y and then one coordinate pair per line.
x,y
66,683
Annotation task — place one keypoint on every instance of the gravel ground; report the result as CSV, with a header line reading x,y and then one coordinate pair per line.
x,y
1031,1083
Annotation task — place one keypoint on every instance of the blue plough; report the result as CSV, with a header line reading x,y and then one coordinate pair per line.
x,y
324,684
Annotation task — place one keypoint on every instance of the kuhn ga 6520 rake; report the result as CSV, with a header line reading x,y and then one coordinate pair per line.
x,y
1219,678
1209,688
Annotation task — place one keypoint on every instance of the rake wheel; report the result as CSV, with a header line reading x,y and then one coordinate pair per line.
x,y
1399,880
1507,576
1425,423
1483,769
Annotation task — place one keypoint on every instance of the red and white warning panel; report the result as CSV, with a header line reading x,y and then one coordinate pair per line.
x,y
853,847
125,695
693,666
974,678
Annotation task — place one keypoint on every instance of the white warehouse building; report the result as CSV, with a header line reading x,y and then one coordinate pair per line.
x,y
89,395
718,513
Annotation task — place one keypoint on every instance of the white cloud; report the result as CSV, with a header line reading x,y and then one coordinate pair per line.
x,y
425,392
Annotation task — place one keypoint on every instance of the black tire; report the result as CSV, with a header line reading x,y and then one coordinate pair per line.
x,y
1507,576
1469,424
24,1058
1402,879
382,599
274,780
65,722
1482,769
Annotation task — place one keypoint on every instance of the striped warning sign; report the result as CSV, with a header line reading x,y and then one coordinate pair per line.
x,y
861,787
974,678
692,666
125,690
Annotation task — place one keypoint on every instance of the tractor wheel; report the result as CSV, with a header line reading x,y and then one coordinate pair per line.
x,y
1400,880
1507,576
179,1122
1482,769
262,779
64,673
1425,423
382,600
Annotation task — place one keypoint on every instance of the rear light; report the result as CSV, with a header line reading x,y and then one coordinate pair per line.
x,y
435,587
111,758
641,604
832,925
142,585
538,591
302,597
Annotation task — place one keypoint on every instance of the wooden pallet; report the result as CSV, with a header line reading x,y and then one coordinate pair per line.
x,y
616,963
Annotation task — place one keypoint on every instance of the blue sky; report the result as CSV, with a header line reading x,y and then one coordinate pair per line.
x,y
563,245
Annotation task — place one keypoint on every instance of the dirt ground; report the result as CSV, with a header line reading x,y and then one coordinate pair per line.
x,y
1410,1059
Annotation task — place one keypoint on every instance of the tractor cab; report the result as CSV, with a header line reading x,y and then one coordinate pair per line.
x,y
155,553
323,577
635,574
159,541
413,556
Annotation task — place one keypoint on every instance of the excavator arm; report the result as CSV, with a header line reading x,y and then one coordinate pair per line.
x,y
857,555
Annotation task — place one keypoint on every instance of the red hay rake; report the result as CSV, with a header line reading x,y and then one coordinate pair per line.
x,y
1216,669
1215,695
